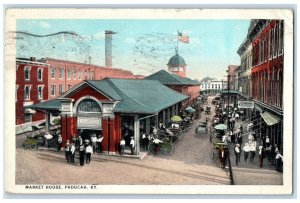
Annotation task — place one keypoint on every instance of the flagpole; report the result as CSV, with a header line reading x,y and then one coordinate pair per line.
x,y
177,43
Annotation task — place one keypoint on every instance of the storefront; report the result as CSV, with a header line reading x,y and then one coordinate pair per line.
x,y
115,108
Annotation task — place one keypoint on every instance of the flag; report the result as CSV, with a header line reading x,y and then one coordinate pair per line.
x,y
183,38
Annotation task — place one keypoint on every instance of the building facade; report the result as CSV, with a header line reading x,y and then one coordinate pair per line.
x,y
212,87
265,39
48,78
31,87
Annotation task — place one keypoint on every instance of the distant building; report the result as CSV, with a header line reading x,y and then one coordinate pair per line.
x,y
212,87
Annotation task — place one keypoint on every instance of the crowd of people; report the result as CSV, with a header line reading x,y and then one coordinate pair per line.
x,y
245,143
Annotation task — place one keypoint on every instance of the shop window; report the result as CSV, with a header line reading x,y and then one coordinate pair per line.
x,y
88,105
27,72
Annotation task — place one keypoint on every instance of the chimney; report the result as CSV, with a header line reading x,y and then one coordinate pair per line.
x,y
108,47
32,59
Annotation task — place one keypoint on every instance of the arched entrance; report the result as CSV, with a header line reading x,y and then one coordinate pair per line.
x,y
89,112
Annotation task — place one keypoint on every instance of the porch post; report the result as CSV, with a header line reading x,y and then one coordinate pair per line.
x,y
137,134
147,126
164,116
47,121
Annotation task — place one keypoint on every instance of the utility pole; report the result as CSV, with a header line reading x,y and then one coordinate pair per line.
x,y
228,101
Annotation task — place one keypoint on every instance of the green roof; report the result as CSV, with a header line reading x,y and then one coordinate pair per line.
x,y
176,61
167,78
52,104
140,96
133,96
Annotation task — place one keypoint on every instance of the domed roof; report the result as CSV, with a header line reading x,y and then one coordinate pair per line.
x,y
176,61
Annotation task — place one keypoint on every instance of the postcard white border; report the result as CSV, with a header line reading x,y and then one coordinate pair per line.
x,y
52,13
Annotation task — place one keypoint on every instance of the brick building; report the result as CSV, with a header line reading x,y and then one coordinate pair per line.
x,y
262,53
48,78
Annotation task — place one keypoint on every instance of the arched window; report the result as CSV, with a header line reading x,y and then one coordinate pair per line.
x,y
88,106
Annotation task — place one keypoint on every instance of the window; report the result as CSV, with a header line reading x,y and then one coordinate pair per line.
x,y
212,86
27,92
69,73
60,89
28,118
86,75
281,37
219,86
79,74
53,72
53,90
16,96
27,72
180,68
40,92
271,44
61,73
40,74
75,74
276,41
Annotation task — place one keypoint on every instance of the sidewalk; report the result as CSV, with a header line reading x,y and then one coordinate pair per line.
x,y
249,173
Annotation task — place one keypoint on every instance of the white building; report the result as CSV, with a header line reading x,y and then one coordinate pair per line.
x,y
211,87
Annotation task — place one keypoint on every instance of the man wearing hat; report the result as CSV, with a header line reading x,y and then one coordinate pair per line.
x,y
122,146
99,141
67,150
237,153
81,155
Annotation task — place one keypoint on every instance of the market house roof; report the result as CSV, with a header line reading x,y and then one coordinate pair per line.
x,y
167,78
52,104
131,96
138,96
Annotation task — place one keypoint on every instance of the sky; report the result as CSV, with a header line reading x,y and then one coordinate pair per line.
x,y
140,45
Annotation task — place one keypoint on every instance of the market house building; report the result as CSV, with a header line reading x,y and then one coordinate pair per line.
x,y
115,108
183,85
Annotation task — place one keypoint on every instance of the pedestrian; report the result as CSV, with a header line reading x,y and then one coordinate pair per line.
x,y
88,152
59,141
80,141
99,144
144,141
252,150
269,154
94,141
237,116
267,141
48,137
81,155
122,146
72,153
261,156
156,145
240,140
246,150
279,161
154,131
67,150
237,153
132,145
222,156
250,137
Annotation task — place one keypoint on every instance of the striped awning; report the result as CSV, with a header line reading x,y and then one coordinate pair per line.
x,y
269,118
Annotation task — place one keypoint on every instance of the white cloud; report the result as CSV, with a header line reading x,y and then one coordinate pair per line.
x,y
99,35
131,41
44,24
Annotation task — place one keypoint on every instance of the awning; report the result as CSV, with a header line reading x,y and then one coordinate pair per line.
x,y
269,118
52,104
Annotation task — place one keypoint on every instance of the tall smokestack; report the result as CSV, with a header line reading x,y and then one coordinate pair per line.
x,y
108,47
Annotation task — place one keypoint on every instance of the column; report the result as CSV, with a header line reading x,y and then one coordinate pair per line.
x,y
147,126
173,110
137,134
164,116
176,109
156,121
47,122
168,115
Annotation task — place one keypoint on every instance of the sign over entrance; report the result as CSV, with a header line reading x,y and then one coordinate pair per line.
x,y
245,104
